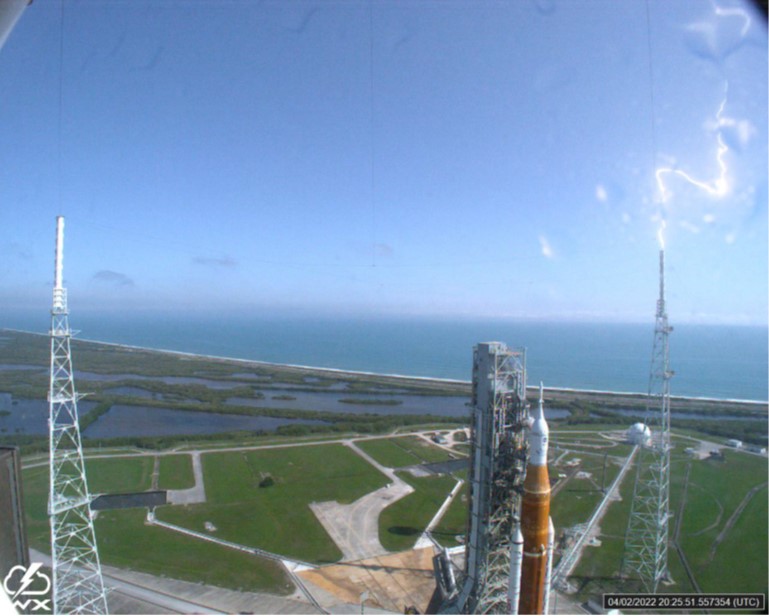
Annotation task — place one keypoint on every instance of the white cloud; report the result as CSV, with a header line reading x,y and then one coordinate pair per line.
x,y
691,228
600,193
547,249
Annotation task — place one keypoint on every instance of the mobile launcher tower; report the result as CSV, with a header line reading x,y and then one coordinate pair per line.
x,y
494,551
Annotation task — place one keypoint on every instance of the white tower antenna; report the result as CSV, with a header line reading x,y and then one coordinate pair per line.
x,y
78,587
646,539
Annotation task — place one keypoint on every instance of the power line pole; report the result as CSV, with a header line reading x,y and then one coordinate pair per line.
x,y
78,587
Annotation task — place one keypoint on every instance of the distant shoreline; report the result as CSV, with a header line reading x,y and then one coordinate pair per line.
x,y
339,372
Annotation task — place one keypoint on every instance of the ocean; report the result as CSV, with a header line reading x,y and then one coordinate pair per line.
x,y
715,361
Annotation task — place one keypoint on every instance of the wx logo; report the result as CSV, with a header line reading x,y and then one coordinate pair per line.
x,y
17,584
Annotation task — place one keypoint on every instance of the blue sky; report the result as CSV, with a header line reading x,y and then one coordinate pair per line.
x,y
375,158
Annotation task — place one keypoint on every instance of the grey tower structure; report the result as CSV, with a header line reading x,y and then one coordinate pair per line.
x,y
78,587
646,538
497,468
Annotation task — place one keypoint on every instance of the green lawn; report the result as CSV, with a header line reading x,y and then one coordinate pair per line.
x,y
423,450
36,486
176,472
126,541
388,452
716,489
401,524
132,474
277,518
454,520
576,501
403,451
738,564
118,475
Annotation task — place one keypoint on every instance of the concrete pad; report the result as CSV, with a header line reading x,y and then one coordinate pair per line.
x,y
355,527
192,495
393,582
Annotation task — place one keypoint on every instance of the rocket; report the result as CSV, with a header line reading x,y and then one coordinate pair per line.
x,y
536,526
514,584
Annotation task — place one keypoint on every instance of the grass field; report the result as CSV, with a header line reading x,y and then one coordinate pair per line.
x,y
131,474
124,540
454,520
737,564
403,451
36,488
725,545
277,518
116,475
401,524
176,473
716,489
577,498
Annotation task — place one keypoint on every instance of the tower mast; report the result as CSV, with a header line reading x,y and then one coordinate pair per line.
x,y
78,587
646,538
497,469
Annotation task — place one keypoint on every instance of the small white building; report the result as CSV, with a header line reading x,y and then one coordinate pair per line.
x,y
733,442
639,434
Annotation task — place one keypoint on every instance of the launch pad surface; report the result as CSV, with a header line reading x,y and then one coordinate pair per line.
x,y
394,582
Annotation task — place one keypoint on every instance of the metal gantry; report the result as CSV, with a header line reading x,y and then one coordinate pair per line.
x,y
646,538
497,469
78,587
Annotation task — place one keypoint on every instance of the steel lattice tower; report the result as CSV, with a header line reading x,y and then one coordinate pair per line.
x,y
646,538
497,469
78,587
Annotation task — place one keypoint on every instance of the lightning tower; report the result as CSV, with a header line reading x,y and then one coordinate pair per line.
x,y
78,587
497,469
646,538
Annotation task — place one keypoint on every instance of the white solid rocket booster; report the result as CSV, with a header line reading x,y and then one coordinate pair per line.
x,y
549,572
516,560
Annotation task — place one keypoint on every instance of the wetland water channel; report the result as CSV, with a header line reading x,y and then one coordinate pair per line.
x,y
29,416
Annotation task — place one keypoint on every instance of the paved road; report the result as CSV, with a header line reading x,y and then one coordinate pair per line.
x,y
145,594
43,460
355,527
196,494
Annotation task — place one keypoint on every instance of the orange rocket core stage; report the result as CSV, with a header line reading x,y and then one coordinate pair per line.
x,y
535,514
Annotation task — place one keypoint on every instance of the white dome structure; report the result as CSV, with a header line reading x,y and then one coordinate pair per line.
x,y
639,434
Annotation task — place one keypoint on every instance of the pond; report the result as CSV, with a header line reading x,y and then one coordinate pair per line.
x,y
168,380
447,406
128,420
25,416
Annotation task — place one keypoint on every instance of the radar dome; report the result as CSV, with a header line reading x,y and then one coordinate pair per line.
x,y
639,434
